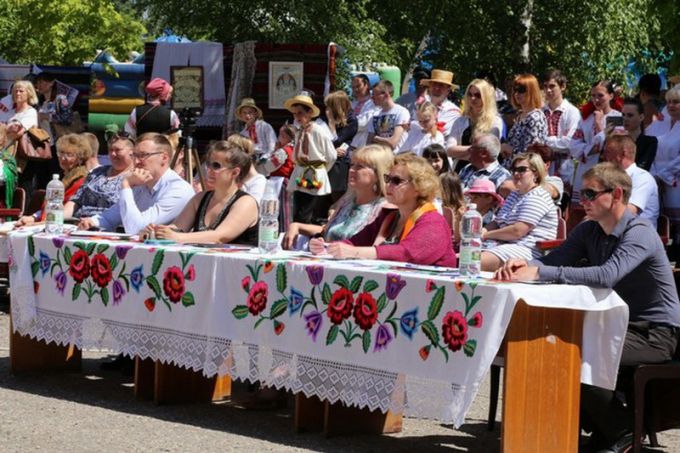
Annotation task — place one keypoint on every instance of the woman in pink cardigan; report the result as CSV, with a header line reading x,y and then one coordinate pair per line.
x,y
414,233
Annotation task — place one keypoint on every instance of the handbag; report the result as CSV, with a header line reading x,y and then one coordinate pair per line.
x,y
35,145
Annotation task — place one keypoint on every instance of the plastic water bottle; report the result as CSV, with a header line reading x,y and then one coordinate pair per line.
x,y
54,206
471,242
268,235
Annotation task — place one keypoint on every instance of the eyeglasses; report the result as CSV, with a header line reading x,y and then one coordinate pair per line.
x,y
66,155
216,166
395,180
521,170
592,194
145,156
520,89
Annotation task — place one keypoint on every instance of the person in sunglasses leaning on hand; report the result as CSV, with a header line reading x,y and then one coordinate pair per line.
x,y
614,249
150,193
415,233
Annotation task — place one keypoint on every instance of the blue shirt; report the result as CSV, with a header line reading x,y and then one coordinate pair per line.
x,y
631,260
141,205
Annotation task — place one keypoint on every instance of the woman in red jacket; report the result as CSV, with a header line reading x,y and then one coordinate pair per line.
x,y
415,233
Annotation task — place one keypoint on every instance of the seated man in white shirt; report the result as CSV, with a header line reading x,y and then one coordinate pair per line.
x,y
644,199
151,192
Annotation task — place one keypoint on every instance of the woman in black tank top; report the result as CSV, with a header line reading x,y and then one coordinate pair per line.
x,y
223,215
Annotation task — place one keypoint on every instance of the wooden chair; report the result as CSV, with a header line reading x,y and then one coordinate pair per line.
x,y
17,208
546,246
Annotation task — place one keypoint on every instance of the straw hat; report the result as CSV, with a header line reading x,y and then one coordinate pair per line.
x,y
441,76
302,99
248,102
485,186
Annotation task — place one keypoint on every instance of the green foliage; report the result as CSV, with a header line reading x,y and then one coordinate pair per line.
x,y
65,32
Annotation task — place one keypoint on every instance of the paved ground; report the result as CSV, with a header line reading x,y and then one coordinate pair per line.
x,y
97,411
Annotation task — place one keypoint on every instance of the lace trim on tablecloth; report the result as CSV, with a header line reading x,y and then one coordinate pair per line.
x,y
352,385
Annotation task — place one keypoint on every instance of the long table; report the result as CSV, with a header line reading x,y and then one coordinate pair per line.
x,y
373,335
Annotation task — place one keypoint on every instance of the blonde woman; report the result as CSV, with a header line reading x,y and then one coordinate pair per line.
x,y
252,182
414,233
343,126
480,117
424,132
528,215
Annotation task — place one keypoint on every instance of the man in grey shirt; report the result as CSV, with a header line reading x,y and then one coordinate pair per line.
x,y
614,249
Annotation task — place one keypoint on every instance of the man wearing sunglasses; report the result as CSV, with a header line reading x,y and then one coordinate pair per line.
x,y
618,250
644,199
151,192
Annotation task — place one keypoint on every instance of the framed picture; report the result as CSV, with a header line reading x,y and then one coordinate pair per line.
x,y
285,81
187,85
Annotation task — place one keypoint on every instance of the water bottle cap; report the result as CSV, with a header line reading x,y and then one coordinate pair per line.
x,y
55,176
472,206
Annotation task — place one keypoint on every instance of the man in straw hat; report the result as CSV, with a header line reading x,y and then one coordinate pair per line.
x,y
439,87
153,116
387,125
255,128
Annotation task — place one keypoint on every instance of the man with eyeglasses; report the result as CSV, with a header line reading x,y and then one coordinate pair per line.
x,y
618,250
484,164
644,199
150,193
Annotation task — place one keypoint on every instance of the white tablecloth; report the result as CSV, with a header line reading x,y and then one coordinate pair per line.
x,y
371,334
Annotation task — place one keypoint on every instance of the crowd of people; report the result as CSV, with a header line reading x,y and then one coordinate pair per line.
x,y
373,177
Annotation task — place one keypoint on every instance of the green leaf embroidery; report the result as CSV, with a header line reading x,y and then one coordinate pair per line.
x,y
101,248
80,245
126,280
157,261
473,302
356,284
35,267
366,340
342,281
430,332
370,285
332,334
445,352
155,286
67,255
281,277
55,264
382,302
326,294
104,292
90,248
436,303
188,299
185,257
76,291
278,308
240,311
114,262
259,321
470,347
31,246
394,309
393,323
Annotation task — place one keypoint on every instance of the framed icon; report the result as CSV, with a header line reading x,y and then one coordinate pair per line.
x,y
285,81
187,85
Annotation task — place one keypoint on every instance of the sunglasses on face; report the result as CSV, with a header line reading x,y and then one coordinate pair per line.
x,y
592,194
520,89
216,166
521,169
395,180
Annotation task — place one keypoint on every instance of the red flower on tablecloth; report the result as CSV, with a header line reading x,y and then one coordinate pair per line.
x,y
454,328
365,311
257,298
430,285
278,327
79,267
245,283
424,352
459,285
150,303
36,287
173,283
476,320
191,273
101,270
268,266
340,305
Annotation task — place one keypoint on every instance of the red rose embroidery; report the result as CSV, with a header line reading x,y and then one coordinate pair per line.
x,y
365,311
101,270
278,327
340,306
257,298
454,328
79,267
150,303
173,283
191,273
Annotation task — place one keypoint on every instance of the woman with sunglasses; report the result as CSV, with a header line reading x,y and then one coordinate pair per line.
x,y
586,143
73,150
479,117
223,215
415,233
102,186
528,215
363,202
530,123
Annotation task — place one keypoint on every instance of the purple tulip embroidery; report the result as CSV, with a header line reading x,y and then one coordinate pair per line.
x,y
60,280
394,286
382,338
118,292
315,274
313,322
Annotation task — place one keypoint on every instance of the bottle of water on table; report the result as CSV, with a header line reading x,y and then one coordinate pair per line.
x,y
268,234
54,206
470,260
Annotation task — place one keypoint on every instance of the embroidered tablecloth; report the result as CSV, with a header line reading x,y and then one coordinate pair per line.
x,y
372,334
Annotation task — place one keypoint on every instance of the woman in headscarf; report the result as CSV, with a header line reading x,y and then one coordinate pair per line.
x,y
153,116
